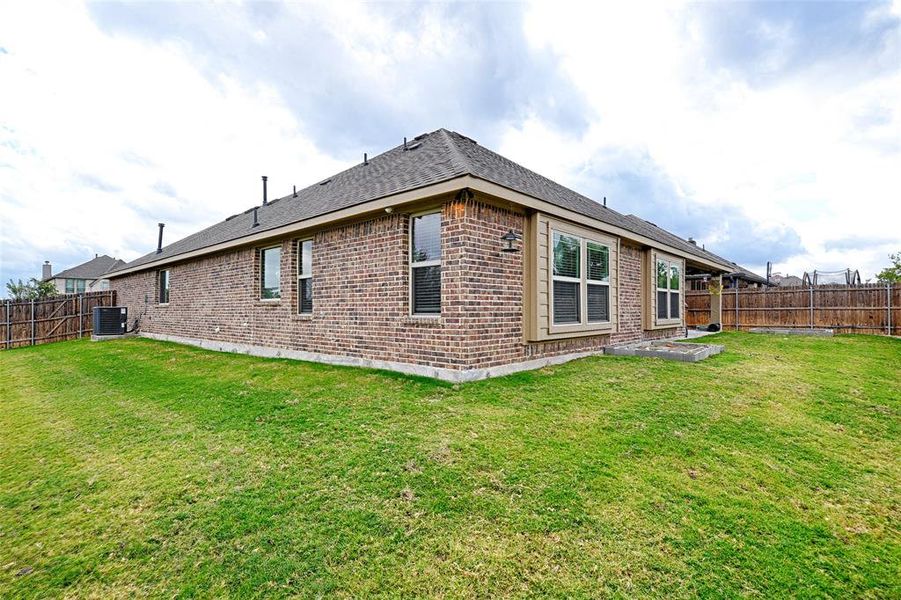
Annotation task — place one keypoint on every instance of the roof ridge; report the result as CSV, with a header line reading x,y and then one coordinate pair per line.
x,y
104,264
459,159
529,172
432,158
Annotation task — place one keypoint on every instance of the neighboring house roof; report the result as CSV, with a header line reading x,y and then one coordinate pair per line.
x,y
790,281
95,268
428,159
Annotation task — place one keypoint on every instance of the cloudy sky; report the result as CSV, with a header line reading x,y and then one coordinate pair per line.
x,y
767,131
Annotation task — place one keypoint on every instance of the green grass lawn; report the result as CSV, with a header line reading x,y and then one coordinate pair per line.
x,y
136,467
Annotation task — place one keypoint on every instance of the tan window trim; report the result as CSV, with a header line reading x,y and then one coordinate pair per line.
x,y
654,322
584,327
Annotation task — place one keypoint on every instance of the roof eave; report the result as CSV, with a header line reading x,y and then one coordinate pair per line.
x,y
392,200
494,189
370,206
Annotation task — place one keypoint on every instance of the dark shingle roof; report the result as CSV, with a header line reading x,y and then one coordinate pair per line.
x,y
652,231
95,268
429,159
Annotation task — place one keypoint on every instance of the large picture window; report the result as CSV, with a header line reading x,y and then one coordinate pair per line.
x,y
270,273
425,264
580,278
669,278
305,277
164,287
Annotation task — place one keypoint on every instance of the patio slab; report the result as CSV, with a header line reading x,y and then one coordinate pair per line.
x,y
668,350
792,331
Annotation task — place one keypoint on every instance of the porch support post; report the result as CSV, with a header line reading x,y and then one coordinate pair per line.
x,y
716,304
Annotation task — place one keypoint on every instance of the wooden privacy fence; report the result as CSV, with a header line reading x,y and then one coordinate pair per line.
x,y
869,308
27,323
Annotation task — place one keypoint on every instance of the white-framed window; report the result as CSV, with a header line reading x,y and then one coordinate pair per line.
x,y
597,278
164,286
271,273
425,264
305,277
668,279
580,278
75,286
567,279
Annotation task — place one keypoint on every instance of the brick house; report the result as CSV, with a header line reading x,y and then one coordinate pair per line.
x,y
407,262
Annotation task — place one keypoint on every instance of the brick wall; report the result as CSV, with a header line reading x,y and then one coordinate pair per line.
x,y
361,296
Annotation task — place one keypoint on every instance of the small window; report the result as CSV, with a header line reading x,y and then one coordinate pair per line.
x,y
669,278
270,273
598,280
675,278
164,287
79,285
567,279
305,277
425,264
70,286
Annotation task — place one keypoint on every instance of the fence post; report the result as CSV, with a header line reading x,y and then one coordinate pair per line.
x,y
9,327
735,283
80,314
888,304
810,295
32,322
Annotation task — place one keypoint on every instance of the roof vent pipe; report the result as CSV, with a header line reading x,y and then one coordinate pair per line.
x,y
405,143
159,241
255,219
605,201
365,159
265,201
295,191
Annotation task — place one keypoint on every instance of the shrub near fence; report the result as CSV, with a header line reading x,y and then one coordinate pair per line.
x,y
870,308
54,319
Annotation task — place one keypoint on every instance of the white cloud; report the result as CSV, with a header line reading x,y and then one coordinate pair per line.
x,y
103,134
820,155
97,132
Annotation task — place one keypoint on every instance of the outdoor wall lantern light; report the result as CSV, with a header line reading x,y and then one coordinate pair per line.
x,y
510,238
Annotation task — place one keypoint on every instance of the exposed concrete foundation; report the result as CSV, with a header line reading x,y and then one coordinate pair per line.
x,y
452,375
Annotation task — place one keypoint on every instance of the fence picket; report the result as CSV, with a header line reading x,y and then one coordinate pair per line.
x,y
24,326
867,308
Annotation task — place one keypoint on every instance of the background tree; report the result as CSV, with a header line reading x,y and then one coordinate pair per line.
x,y
892,273
33,290
17,291
43,289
